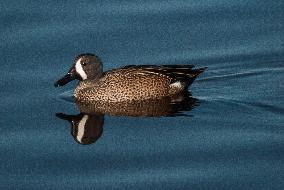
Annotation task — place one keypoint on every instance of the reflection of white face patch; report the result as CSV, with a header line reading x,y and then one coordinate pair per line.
x,y
81,128
80,70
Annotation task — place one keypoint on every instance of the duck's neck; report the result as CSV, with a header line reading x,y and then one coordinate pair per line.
x,y
92,79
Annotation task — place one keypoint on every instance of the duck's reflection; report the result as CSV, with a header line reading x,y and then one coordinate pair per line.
x,y
87,127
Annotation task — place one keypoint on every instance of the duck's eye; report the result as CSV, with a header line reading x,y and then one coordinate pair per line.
x,y
84,63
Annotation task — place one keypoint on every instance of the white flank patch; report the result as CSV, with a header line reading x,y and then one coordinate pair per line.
x,y
81,128
80,70
176,84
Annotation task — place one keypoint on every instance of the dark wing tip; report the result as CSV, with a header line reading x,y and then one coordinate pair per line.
x,y
202,69
199,71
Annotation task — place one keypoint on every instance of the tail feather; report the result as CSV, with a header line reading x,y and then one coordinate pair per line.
x,y
191,76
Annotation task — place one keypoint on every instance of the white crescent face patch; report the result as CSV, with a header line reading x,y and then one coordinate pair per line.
x,y
80,70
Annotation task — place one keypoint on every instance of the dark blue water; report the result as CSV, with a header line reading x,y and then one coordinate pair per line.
x,y
233,139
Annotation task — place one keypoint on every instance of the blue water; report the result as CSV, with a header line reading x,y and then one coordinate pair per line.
x,y
233,138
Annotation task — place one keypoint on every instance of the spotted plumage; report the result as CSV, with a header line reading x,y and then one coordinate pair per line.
x,y
129,83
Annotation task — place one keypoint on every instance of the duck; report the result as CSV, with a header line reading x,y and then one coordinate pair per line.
x,y
127,83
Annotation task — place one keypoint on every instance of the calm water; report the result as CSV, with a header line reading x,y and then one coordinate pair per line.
x,y
233,138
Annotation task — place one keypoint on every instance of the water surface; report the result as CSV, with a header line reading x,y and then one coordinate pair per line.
x,y
233,139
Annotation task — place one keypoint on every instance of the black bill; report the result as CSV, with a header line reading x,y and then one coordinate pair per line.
x,y
71,75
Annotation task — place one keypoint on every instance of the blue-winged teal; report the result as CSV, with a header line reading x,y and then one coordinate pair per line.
x,y
129,83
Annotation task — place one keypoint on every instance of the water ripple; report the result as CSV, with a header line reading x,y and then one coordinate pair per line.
x,y
242,74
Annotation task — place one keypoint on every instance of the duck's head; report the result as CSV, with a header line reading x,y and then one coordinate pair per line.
x,y
86,66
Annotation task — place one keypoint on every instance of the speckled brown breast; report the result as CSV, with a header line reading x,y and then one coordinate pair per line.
x,y
124,85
